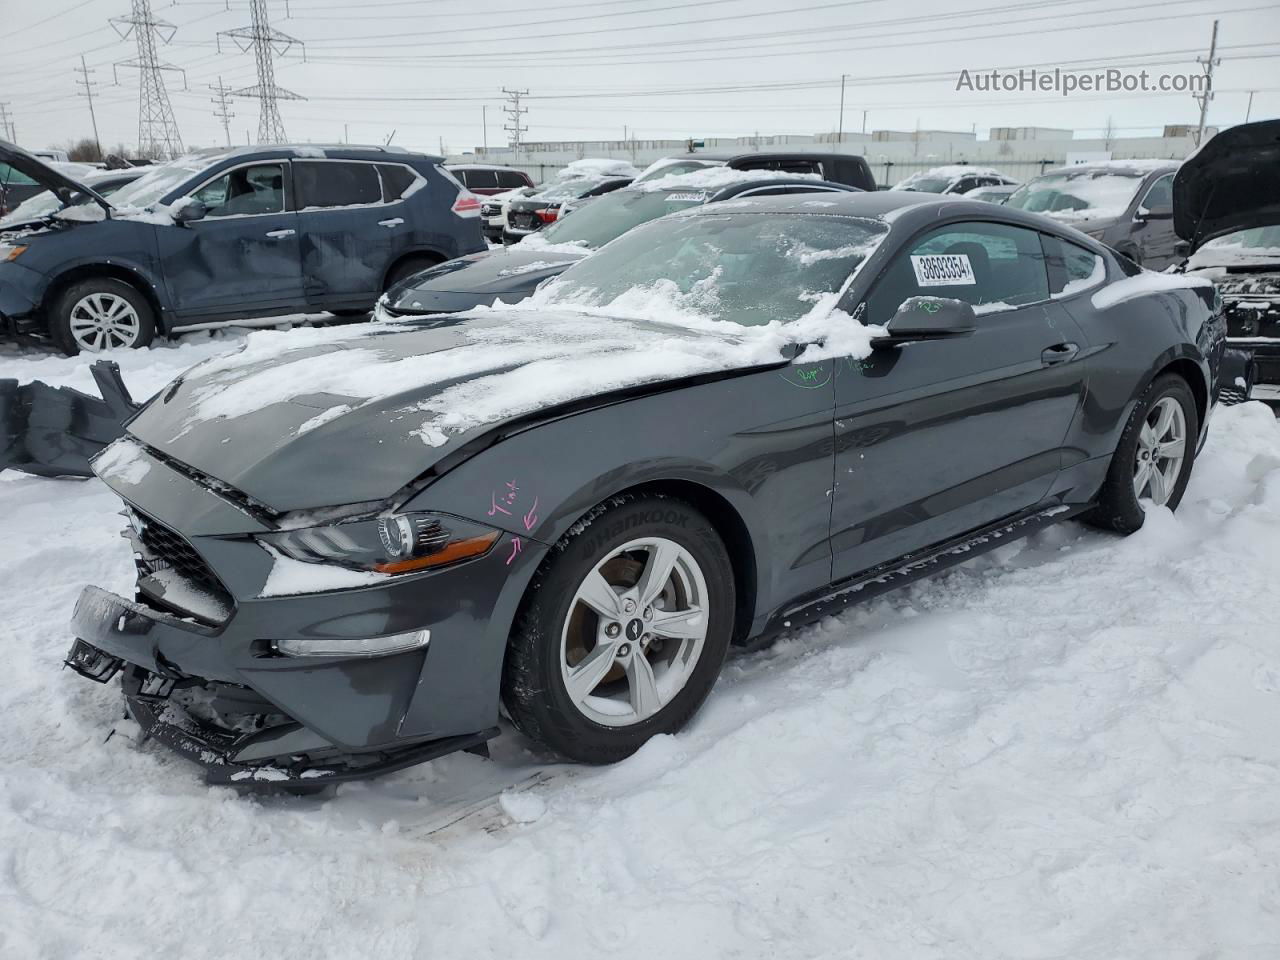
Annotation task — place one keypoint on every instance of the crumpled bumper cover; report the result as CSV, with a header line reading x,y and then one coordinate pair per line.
x,y
20,293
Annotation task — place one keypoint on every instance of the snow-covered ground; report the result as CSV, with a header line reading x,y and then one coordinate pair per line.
x,y
1065,749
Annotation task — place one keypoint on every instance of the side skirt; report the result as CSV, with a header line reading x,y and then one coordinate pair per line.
x,y
897,573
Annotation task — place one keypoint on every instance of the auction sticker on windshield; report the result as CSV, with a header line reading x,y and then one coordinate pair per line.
x,y
943,269
686,197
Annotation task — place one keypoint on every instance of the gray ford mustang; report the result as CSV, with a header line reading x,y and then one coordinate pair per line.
x,y
353,545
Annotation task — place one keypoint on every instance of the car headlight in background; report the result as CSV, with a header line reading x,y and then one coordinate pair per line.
x,y
399,543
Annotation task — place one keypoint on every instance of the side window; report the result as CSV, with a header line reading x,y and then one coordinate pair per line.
x,y
246,191
335,183
965,185
396,179
1002,266
1072,269
511,179
1159,195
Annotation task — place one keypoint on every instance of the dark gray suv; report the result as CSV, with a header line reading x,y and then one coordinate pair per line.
x,y
1126,204
218,235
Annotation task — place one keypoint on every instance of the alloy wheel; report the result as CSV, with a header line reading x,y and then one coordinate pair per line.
x,y
635,631
103,321
1162,446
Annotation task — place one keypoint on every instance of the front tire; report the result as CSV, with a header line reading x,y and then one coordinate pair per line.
x,y
1153,459
101,313
623,632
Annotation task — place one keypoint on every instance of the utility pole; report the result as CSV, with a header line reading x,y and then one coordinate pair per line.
x,y
222,107
515,113
1249,109
1206,94
266,43
157,129
840,135
85,82
864,121
484,124
6,123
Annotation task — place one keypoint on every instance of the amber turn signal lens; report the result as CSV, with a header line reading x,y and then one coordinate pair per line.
x,y
451,553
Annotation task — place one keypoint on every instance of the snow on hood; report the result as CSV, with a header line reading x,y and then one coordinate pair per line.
x,y
411,390
714,178
1247,248
602,168
950,172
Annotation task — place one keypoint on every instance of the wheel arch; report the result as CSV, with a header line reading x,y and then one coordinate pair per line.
x,y
88,271
418,253
1190,371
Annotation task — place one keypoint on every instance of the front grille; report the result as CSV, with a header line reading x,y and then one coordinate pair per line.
x,y
161,549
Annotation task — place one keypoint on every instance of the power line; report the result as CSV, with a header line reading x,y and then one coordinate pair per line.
x,y
157,129
266,43
222,107
88,85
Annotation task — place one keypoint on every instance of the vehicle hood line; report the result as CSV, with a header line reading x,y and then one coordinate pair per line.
x,y
47,176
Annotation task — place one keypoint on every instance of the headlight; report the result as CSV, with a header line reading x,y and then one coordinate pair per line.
x,y
11,251
399,543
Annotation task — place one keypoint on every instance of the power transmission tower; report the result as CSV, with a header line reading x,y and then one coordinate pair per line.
x,y
157,129
1205,95
222,107
6,123
514,113
88,85
266,43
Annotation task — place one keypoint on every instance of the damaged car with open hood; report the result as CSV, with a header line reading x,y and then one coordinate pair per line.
x,y
356,547
1226,205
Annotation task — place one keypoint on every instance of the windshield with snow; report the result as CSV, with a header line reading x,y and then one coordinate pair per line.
x,y
747,268
671,168
1079,195
614,214
153,185
926,185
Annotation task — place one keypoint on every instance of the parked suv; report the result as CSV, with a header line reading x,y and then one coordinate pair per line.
x,y
1126,204
218,235
488,180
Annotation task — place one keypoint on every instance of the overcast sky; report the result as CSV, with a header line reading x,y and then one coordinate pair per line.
x,y
426,69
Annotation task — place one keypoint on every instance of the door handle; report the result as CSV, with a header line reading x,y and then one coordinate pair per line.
x,y
1058,353
393,222
277,234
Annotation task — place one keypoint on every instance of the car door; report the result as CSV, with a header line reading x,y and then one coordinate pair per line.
x,y
1153,224
938,438
243,254
348,234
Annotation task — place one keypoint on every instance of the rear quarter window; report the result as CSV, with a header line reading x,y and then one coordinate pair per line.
x,y
512,179
396,180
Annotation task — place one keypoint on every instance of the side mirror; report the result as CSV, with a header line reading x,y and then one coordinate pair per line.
x,y
928,318
187,210
1155,213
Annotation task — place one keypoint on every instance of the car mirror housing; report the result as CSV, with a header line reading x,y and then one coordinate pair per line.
x,y
1155,213
928,318
187,210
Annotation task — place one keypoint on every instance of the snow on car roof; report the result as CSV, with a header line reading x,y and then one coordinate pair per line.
x,y
1133,167
952,171
715,177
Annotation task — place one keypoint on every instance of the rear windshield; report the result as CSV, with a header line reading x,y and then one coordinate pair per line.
x,y
1086,194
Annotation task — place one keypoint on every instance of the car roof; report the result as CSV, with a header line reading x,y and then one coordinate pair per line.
x,y
877,205
479,166
1141,168
307,151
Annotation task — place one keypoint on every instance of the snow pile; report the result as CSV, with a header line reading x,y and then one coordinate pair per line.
x,y
1143,283
536,265
597,167
1063,749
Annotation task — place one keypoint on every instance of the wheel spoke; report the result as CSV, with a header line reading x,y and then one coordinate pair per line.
x,y
657,571
679,624
596,593
1146,436
1173,450
1159,487
1140,478
645,699
1165,419
586,676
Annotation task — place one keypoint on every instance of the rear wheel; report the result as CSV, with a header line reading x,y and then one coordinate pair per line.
x,y
1152,462
101,313
624,631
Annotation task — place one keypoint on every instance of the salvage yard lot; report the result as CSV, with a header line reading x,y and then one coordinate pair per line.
x,y
1065,748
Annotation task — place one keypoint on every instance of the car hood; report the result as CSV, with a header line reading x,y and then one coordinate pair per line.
x,y
1229,184
45,175
328,417
481,279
